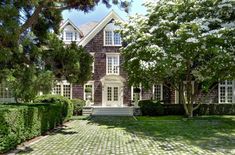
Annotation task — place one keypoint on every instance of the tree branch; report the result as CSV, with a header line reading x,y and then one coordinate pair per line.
x,y
33,19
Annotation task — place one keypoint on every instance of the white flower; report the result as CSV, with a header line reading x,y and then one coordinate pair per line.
x,y
192,40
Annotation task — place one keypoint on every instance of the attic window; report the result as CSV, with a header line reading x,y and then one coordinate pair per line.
x,y
111,37
69,36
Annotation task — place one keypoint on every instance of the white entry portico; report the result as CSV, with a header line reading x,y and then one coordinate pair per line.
x,y
112,90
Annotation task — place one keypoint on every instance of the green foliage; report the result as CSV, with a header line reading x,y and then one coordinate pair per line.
x,y
178,42
24,30
78,106
65,103
70,62
20,122
151,108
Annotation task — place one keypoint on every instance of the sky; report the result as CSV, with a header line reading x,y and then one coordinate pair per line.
x,y
100,11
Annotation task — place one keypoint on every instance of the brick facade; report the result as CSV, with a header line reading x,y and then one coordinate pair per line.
x,y
96,46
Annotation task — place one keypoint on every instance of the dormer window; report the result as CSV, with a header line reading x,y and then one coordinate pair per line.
x,y
70,33
111,37
69,36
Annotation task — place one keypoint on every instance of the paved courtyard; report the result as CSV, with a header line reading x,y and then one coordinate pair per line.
x,y
91,137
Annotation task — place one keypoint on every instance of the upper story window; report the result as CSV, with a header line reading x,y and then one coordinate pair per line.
x,y
112,64
69,36
111,37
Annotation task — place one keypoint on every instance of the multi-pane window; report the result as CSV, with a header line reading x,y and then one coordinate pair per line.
x,y
67,90
112,93
69,36
115,93
108,38
5,93
117,38
227,92
112,38
158,92
109,93
112,64
63,88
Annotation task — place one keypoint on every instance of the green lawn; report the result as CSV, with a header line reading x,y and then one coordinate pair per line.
x,y
140,136
206,132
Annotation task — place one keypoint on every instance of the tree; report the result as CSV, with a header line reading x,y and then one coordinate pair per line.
x,y
24,31
181,42
68,62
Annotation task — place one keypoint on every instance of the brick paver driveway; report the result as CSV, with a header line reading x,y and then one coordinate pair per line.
x,y
92,138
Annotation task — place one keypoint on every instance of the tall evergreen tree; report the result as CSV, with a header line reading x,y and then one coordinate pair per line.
x,y
24,41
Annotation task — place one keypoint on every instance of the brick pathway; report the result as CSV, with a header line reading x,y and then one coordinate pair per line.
x,y
83,137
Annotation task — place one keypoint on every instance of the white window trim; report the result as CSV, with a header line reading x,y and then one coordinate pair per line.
x,y
93,89
73,36
93,63
113,31
132,92
161,91
113,55
62,83
226,86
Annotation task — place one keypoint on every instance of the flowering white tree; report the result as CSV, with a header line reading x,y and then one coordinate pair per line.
x,y
182,42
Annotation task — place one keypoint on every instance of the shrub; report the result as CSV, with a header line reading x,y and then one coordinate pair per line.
x,y
78,106
65,103
151,108
20,122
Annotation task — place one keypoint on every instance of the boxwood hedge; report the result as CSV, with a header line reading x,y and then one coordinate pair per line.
x,y
20,122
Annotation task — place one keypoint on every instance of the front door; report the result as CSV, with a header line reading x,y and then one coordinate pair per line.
x,y
113,95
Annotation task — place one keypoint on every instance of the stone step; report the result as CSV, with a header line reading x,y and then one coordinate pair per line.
x,y
87,111
112,111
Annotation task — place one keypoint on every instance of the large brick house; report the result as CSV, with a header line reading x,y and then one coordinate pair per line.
x,y
108,86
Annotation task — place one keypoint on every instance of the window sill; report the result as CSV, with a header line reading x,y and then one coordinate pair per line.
x,y
113,45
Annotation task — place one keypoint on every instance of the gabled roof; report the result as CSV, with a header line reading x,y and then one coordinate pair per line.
x,y
99,27
68,21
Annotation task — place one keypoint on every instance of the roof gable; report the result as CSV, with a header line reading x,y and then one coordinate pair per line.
x,y
68,21
99,27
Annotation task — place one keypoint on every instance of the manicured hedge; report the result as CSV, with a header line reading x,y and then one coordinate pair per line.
x,y
151,108
216,109
20,122
78,106
66,104
147,108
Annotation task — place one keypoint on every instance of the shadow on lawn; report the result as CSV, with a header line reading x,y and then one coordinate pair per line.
x,y
208,132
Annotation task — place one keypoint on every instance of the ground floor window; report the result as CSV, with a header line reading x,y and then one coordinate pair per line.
x,y
227,92
63,88
112,93
89,91
158,92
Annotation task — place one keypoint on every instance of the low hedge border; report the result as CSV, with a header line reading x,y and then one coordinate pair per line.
x,y
20,122
178,109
